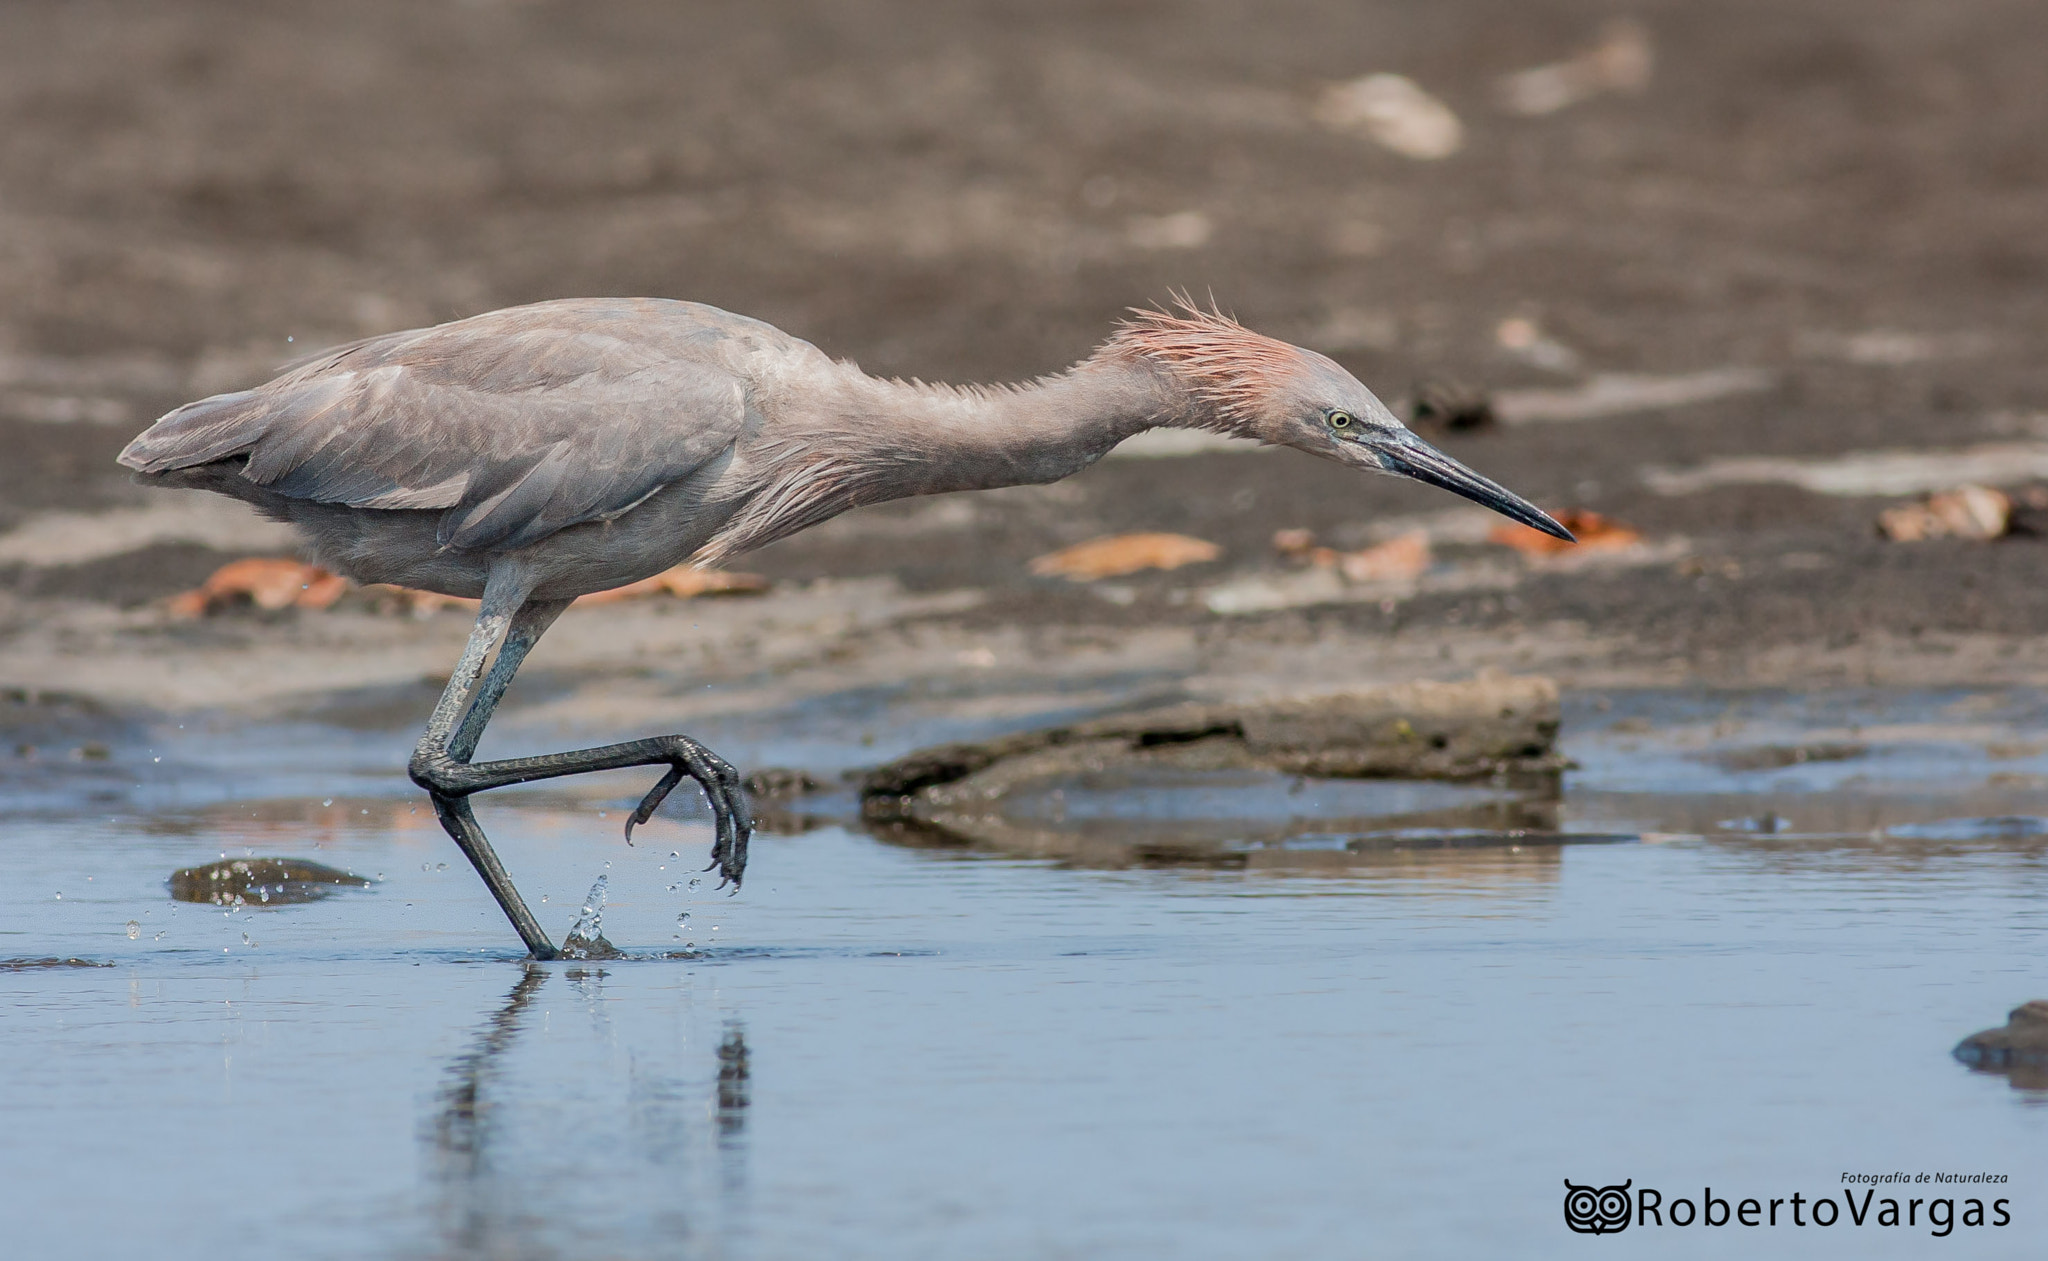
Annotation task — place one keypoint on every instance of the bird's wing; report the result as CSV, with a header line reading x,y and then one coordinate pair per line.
x,y
515,424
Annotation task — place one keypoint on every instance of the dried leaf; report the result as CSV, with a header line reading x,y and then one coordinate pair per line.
x,y
1395,112
1397,560
1621,61
1967,512
268,582
684,582
1293,542
1595,533
1121,554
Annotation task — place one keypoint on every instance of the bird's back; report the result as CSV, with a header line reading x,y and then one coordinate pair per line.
x,y
509,426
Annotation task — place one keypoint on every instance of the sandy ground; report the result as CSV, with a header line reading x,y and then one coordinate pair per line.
x,y
1794,278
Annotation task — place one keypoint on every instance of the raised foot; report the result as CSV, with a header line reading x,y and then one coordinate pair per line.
x,y
443,776
732,819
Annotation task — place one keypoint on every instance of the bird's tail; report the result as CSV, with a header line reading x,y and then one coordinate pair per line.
x,y
204,432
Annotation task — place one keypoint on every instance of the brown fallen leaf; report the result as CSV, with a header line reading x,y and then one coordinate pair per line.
x,y
1396,560
268,582
1121,554
1595,533
1293,542
388,599
1967,512
683,582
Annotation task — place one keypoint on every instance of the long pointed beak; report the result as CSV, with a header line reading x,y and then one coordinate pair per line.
x,y
1409,456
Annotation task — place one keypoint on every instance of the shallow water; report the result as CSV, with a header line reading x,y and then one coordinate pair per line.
x,y
888,1051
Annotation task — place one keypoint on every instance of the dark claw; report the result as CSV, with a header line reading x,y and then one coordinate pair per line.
x,y
652,801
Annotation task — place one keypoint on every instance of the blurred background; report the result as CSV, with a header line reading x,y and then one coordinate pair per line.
x,y
1616,246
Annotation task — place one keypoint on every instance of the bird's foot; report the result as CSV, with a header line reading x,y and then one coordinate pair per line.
x,y
732,820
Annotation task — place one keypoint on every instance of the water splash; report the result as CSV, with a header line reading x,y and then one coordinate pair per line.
x,y
586,935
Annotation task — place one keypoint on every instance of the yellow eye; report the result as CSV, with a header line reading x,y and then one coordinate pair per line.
x,y
1340,420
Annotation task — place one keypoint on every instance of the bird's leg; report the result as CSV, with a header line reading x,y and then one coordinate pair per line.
x,y
528,625
442,737
441,765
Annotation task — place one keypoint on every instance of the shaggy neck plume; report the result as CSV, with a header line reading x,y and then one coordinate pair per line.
x,y
1227,369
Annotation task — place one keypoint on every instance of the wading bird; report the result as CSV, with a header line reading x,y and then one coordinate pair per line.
x,y
535,454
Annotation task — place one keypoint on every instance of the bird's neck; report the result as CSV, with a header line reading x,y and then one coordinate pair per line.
x,y
935,438
842,439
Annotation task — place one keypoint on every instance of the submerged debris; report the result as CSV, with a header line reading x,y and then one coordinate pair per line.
x,y
1967,512
1777,757
261,882
778,781
1470,730
2019,1049
1121,554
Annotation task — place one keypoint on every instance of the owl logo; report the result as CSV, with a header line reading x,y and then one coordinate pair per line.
x,y
1597,1210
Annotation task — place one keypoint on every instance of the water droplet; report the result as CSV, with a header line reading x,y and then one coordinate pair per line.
x,y
607,864
675,853
247,942
440,866
156,759
426,866
604,814
672,888
683,920
543,897
696,883
134,929
60,895
160,934
327,801
366,810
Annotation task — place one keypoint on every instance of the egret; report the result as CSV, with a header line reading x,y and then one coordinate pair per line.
x,y
531,455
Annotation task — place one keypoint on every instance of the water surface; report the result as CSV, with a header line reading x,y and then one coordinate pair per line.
x,y
895,1051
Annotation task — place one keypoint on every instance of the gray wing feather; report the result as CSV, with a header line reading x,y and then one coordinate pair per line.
x,y
516,424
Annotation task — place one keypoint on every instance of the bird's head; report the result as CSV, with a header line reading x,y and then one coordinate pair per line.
x,y
1249,386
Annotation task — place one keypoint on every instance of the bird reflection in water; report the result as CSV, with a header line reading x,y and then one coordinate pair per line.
x,y
522,1169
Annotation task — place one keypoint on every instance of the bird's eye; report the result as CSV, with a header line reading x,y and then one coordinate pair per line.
x,y
1340,420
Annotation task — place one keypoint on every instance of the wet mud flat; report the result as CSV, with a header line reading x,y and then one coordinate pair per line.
x,y
1698,958
1717,306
